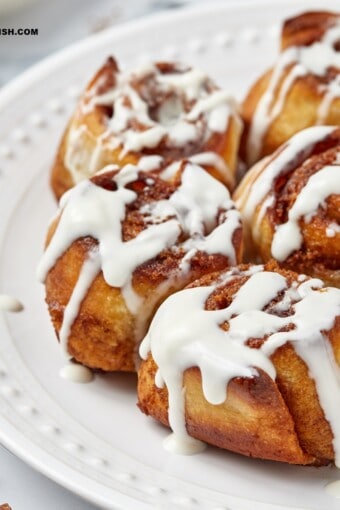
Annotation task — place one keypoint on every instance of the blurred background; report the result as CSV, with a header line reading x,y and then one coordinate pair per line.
x,y
62,22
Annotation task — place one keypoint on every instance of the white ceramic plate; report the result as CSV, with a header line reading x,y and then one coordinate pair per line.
x,y
92,438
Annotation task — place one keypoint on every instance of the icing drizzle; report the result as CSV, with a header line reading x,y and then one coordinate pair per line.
x,y
296,61
175,106
178,343
319,186
189,96
198,216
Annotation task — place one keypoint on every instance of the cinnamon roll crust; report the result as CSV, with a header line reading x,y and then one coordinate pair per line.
x,y
98,134
297,92
318,253
279,419
253,421
296,114
306,28
105,333
60,178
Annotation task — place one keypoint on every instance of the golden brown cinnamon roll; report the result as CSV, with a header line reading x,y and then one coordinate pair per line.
x,y
163,109
290,203
123,241
246,360
301,90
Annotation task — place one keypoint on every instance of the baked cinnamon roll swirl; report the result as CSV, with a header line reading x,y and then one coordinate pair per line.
x,y
162,109
246,360
290,203
123,241
301,90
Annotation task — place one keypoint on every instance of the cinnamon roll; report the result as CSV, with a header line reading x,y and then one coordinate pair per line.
x,y
301,90
122,242
290,203
247,360
162,109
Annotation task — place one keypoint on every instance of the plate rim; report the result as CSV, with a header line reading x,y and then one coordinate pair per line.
x,y
38,70
8,433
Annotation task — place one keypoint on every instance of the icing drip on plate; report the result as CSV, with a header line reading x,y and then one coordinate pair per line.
x,y
10,304
183,334
198,216
76,373
296,62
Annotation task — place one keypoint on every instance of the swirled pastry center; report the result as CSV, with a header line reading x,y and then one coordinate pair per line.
x,y
319,187
176,106
295,193
298,148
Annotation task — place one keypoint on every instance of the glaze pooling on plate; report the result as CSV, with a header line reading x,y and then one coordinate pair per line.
x,y
298,61
76,373
10,304
200,209
184,334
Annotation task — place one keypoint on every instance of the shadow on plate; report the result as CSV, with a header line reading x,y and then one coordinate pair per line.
x,y
125,382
